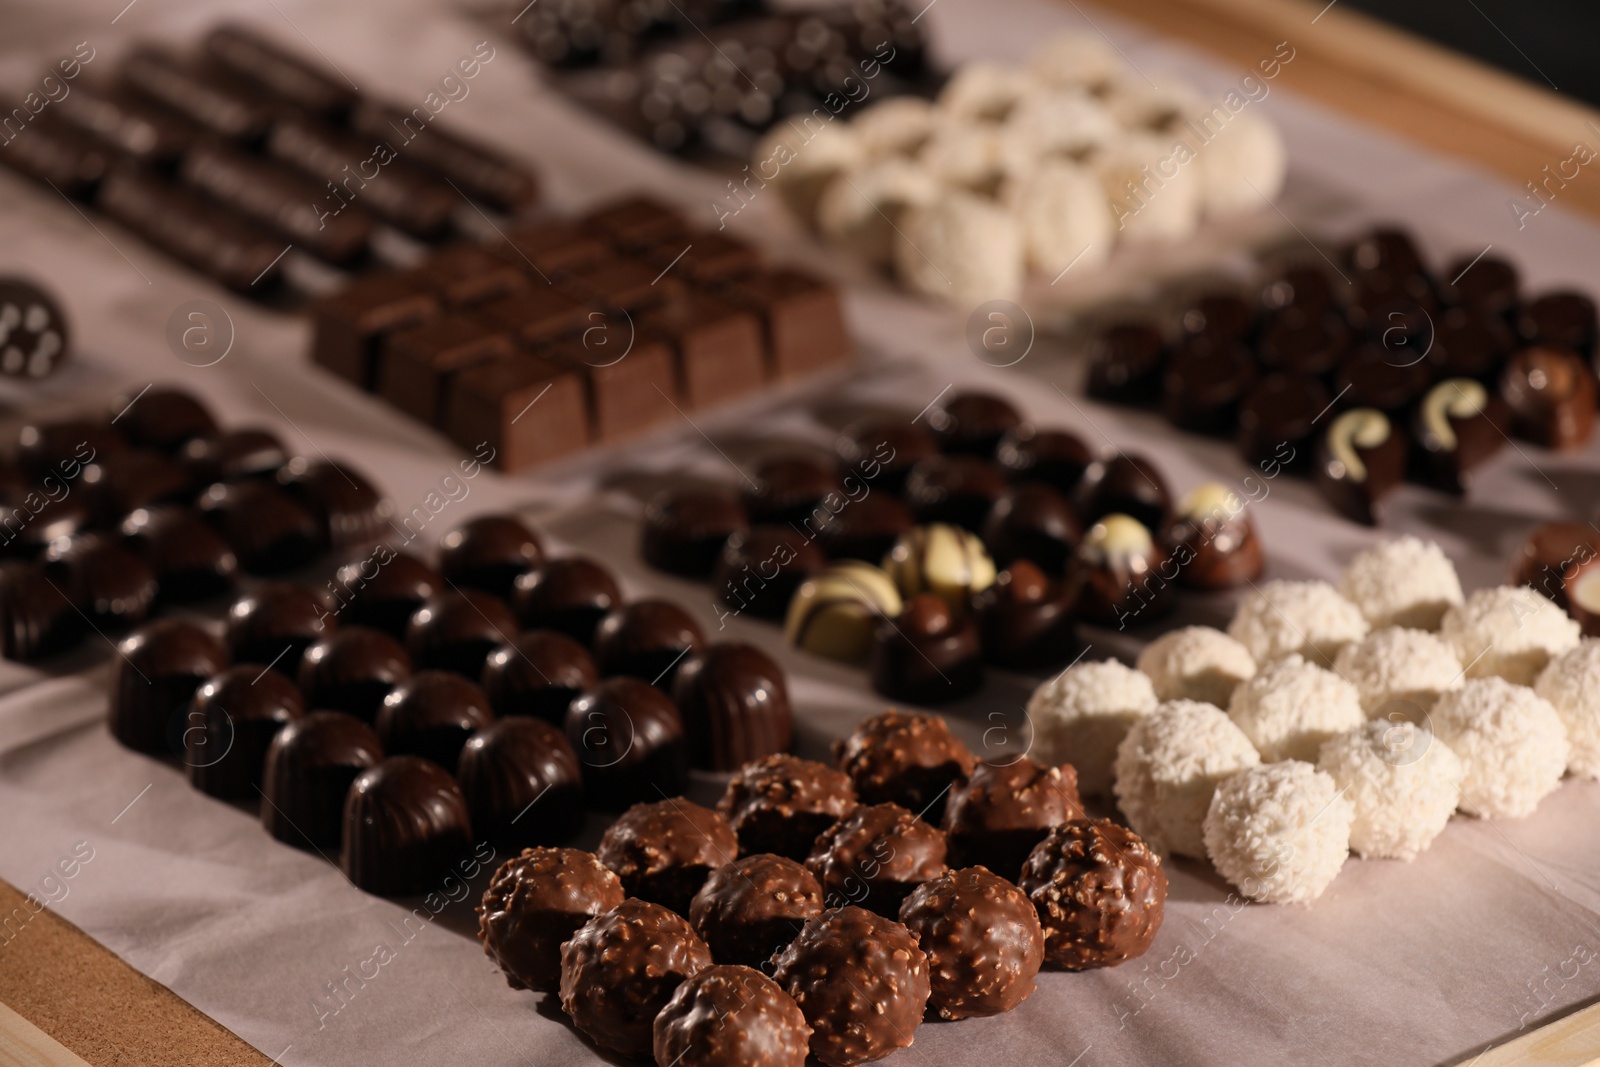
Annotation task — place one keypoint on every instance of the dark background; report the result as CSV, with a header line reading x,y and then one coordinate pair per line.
x,y
1557,39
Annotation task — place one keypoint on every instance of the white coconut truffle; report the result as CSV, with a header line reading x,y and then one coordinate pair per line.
x,y
1139,105
1077,60
1065,223
1054,124
1509,632
1154,196
1400,673
1280,833
1196,663
1242,163
1291,707
982,91
805,157
1571,683
860,209
961,249
1510,742
1402,782
1082,714
964,154
898,126
1405,582
1287,618
1169,765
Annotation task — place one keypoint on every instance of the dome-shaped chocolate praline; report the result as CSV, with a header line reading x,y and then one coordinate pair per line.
x,y
232,720
629,739
405,826
162,663
456,631
488,553
538,673
349,509
269,530
113,587
735,705
352,670
568,595
684,529
275,623
522,784
647,639
432,715
162,418
190,559
310,766
384,590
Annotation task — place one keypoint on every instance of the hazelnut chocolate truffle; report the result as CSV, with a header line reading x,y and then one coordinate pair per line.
x,y
1511,742
983,940
522,784
269,530
750,909
36,618
1125,576
927,654
538,673
835,613
352,670
647,639
1551,394
161,665
1213,540
883,451
760,569
162,418
431,715
861,981
232,720
1309,618
1403,582
629,739
735,705
972,423
621,968
275,624
1099,891
865,528
947,561
569,595
875,856
789,488
1168,766
456,631
534,904
309,768
1034,522
405,826
189,558
904,758
1359,460
1124,484
731,1017
349,508
1026,621
664,850
113,587
996,816
384,590
958,490
781,803
488,553
1057,458
684,529
1279,832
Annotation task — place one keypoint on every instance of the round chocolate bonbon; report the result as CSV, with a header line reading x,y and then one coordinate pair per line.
x,y
137,478
352,670
836,612
111,585
230,724
246,452
684,529
875,856
1124,484
663,850
781,803
456,631
1026,620
522,784
904,758
944,560
405,828
36,618
958,490
865,528
1205,383
269,530
1278,421
1100,893
629,739
646,639
1551,394
64,447
729,1016
1126,362
983,941
568,595
161,418
534,904
538,673
972,423
432,714
162,663
190,559
33,331
928,654
1213,540
1032,521
275,624
488,553
734,699
309,769
1126,575
349,508
384,590
883,451
788,489
1058,458
748,910
1003,810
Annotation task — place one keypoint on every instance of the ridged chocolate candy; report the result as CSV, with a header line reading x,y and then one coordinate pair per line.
x,y
534,904
384,590
112,586
647,639
161,664
735,705
684,529
432,715
349,509
36,618
489,552
568,595
522,784
190,559
310,766
269,530
928,654
275,624
538,673
405,826
456,631
629,739
231,723
352,670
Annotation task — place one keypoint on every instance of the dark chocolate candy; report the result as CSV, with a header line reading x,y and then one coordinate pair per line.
x,y
126,125
620,282
780,804
927,654
717,346
353,670
1099,891
384,590
1389,379
1026,621
730,1016
983,940
1127,484
137,478
231,722
534,904
663,850
1384,247
60,155
480,172
275,623
629,739
735,705
883,451
348,327
904,758
162,664
270,532
875,856
749,910
568,595
704,257
208,100
1554,556
537,315
488,553
997,816
1205,381
456,631
230,455
1301,341
111,585
789,488
432,714
522,784
1484,283
491,406
1032,521
1392,309
1222,317
685,529
1126,574
1565,319
1278,420
419,364
1469,343
273,69
1551,394
958,490
972,423
1058,458
1360,459
1213,541
760,569
1457,426
36,618
34,337
405,828
38,521
62,448
1306,286
635,221
1126,363
865,528
310,766
351,512
646,639
538,673
803,320
400,194
550,247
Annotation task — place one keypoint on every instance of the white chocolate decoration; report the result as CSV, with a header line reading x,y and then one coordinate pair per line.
x,y
1116,537
1358,428
1455,398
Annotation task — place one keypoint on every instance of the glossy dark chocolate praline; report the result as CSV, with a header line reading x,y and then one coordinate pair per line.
x,y
162,418
270,532
983,940
734,699
384,590
40,523
760,569
1057,458
646,639
927,654
1305,286
190,559
61,448
432,715
865,528
789,488
1389,379
275,623
663,850
1386,248
161,664
1469,343
1123,584
1551,393
350,510
569,595
112,586
1357,490
972,423
1026,620
36,618
1566,319
405,826
1126,484
456,631
684,529
1205,382
538,673
1300,341
534,904
309,768
997,816
882,451
352,670
1453,433
1032,521
954,489
1278,421
731,1016
231,722
780,804
522,784
875,856
488,553
630,742
1221,317
234,454
750,909
1099,891
1126,362
133,479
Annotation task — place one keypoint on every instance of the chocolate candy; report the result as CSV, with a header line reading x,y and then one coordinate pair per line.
x,y
685,529
1278,420
624,397
1304,342
622,968
348,326
64,446
1213,540
349,510
131,480
1125,484
1025,620
569,595
983,940
28,528
1058,458
310,767
712,257
1392,308
1205,381
861,981
927,654
1002,811
59,155
126,125
1359,460
750,909
780,804
646,639
456,631
352,670
1126,575
1468,343
163,419
405,196
802,319
36,618
1389,379
200,96
488,553
760,569
432,715
1220,317
1551,395
788,489
522,784
480,172
1554,556
467,275
947,561
875,856
112,586
972,423
1563,319
958,490
907,759
263,64
731,1017
735,706
231,722
1457,427
635,221
33,331
1486,283
534,904
1033,522
405,827
629,739
233,454
1100,893
865,528
538,673
162,663
384,590
1386,248
269,531
836,613
883,451
1126,363
275,624
663,850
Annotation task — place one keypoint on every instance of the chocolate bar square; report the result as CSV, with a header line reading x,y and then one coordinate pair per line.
x,y
550,248
537,313
704,257
348,326
718,347
629,284
419,362
464,275
636,222
630,387
529,410
803,319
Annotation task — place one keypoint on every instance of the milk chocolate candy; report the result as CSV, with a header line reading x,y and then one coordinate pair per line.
x,y
749,910
1554,557
1126,363
1205,381
126,125
1213,540
717,345
36,618
405,828
875,856
488,553
1551,394
270,68
629,384
432,715
534,904
1565,319
780,804
340,163
1485,283
348,327
208,100
906,758
728,1016
570,595
231,723
269,531
983,940
456,631
1360,458
549,248
59,155
522,784
353,670
802,318
629,739
1469,343
537,315
528,410
635,222
1458,425
1302,341
310,767
704,257
275,623
620,282
34,336
1099,891
539,674
480,172
467,275
663,850
162,664
1126,576
1278,421
735,704
419,363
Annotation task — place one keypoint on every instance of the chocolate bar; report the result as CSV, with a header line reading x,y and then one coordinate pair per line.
x,y
630,388
220,107
718,347
629,284
550,248
348,326
466,275
802,318
530,410
537,314
704,258
254,59
636,222
478,172
418,363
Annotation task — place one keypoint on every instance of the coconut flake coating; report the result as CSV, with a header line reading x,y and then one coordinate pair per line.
x,y
1245,161
1403,785
1196,663
1279,832
780,803
904,758
1099,891
1509,632
962,249
1291,707
983,941
1082,714
1169,765
1405,582
1571,683
861,981
1306,618
1399,672
1511,744
534,903
729,1016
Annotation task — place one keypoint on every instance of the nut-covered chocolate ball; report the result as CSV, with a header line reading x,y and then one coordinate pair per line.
x,y
1002,811
781,803
875,856
731,1017
663,851
751,908
983,940
861,981
622,967
536,902
1100,893
906,759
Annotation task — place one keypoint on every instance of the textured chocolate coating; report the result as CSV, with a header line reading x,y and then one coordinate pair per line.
x,y
788,488
348,507
1551,394
647,639
36,618
684,529
1032,521
904,758
621,968
384,590
750,909
269,530
162,418
522,784
488,553
983,940
629,739
431,715
781,803
861,981
249,452
569,595
112,586
232,720
1214,543
538,673
1026,621
310,766
352,670
1124,484
1100,893
161,664
190,560
735,705
405,826
731,1017
883,451
760,568
927,654
275,624
972,423
998,815
875,856
456,631
959,490
535,902
663,850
